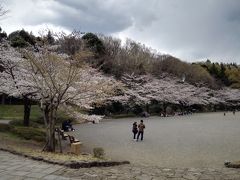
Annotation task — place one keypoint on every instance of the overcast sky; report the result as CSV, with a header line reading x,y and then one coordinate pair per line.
x,y
192,30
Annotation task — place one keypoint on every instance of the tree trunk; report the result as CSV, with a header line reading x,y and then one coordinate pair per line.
x,y
46,115
164,109
3,99
147,108
51,132
59,141
27,110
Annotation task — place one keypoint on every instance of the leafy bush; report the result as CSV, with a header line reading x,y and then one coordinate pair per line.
x,y
27,37
29,133
18,42
94,43
21,38
98,152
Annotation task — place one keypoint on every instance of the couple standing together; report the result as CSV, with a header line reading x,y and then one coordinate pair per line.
x,y
138,130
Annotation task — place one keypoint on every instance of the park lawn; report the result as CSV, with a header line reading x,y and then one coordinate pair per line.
x,y
16,112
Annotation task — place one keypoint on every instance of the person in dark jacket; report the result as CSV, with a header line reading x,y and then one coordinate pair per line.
x,y
135,130
141,128
67,126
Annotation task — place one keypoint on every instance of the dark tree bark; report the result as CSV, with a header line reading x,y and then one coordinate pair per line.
x,y
51,132
3,97
147,108
49,118
27,110
164,109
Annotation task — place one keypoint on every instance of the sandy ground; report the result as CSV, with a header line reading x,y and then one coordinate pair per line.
x,y
199,140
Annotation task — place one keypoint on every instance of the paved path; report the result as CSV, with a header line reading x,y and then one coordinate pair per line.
x,y
14,167
4,121
17,167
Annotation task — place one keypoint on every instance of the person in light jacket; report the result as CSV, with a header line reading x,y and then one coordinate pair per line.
x,y
141,128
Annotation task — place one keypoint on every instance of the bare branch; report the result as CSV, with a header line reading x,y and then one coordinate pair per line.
x,y
3,11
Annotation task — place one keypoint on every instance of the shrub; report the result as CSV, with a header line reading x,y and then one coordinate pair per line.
x,y
94,43
98,152
27,37
18,42
70,44
29,133
21,39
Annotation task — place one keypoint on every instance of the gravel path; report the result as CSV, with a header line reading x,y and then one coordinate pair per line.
x,y
199,140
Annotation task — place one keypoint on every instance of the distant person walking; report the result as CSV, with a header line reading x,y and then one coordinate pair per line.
x,y
135,130
141,128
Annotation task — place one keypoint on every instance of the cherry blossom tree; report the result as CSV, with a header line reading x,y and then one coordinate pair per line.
x,y
62,80
14,78
53,80
167,89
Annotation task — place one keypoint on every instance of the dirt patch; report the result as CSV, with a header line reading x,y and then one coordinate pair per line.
x,y
33,148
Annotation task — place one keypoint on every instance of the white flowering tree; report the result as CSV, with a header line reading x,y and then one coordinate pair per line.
x,y
14,78
166,89
52,80
62,80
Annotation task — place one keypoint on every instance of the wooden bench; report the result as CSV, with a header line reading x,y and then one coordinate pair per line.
x,y
72,139
62,134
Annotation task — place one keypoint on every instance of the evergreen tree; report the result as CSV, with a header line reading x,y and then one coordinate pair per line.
x,y
50,38
94,43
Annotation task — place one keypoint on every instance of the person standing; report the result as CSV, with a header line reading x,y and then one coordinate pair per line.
x,y
141,128
135,130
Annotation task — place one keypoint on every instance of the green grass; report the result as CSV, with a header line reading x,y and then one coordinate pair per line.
x,y
29,133
16,112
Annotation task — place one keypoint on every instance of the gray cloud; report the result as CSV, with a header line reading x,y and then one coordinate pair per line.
x,y
95,16
189,29
86,15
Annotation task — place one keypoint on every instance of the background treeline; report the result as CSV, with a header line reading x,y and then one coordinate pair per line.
x,y
227,74
113,57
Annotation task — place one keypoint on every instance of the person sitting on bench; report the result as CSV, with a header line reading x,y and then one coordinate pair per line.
x,y
67,126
